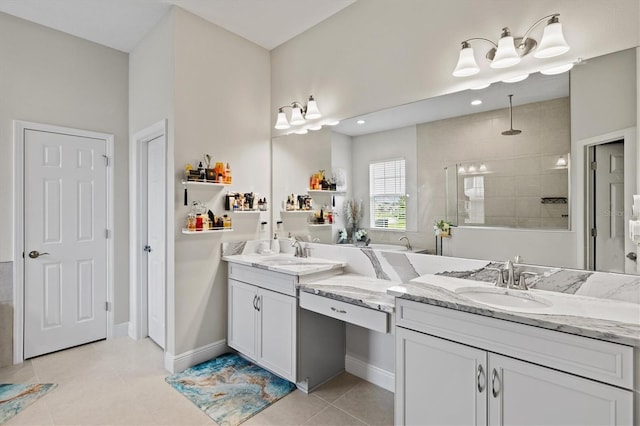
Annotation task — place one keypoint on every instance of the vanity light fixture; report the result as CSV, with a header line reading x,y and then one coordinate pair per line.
x,y
299,114
561,162
557,70
472,168
516,79
509,50
461,169
481,86
476,102
482,168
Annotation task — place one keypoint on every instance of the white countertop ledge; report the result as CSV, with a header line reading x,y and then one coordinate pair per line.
x,y
603,319
286,263
355,289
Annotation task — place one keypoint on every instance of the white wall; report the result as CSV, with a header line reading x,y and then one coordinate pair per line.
x,y
55,78
221,107
151,97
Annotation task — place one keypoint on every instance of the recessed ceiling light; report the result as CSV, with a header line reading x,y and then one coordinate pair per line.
x,y
476,102
360,121
516,78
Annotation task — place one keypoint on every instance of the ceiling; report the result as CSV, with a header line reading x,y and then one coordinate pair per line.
x,y
536,88
121,24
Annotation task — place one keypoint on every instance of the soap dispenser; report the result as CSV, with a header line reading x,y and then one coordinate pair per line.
x,y
275,244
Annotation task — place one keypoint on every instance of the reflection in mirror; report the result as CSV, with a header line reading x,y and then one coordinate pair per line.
x,y
508,194
519,181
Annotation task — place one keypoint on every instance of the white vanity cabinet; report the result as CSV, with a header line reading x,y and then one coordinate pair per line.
x,y
459,368
263,327
262,323
266,325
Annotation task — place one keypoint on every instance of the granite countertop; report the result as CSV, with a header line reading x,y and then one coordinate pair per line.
x,y
603,319
355,289
286,263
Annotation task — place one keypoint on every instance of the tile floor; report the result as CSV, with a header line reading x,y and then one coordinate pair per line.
x,y
121,382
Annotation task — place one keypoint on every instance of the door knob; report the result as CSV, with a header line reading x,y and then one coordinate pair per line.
x,y
632,256
36,254
147,248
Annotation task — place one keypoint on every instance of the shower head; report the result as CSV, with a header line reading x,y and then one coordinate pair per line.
x,y
511,131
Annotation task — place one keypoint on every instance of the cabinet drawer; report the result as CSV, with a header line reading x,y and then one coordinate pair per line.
x,y
358,315
595,359
281,283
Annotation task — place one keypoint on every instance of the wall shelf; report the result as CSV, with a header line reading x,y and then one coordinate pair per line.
x,y
296,211
245,211
206,231
204,184
325,191
320,225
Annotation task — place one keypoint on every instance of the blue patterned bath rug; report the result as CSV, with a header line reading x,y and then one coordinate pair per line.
x,y
15,398
230,389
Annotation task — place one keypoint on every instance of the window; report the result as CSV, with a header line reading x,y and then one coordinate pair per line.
x,y
387,195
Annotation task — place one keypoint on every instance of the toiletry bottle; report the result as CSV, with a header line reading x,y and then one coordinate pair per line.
x,y
275,244
228,173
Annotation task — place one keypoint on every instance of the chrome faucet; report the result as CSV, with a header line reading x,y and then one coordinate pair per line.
x,y
407,244
299,250
511,280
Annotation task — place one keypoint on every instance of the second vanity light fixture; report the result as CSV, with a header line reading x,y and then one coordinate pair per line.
x,y
299,114
509,51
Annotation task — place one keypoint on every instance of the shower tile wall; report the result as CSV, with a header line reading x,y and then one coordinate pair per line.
x,y
6,313
521,169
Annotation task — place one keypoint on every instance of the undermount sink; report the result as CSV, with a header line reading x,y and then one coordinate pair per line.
x,y
517,300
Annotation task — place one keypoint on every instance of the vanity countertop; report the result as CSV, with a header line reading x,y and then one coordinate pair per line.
x,y
286,263
602,319
355,289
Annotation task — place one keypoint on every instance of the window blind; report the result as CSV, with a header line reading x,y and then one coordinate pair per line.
x,y
387,194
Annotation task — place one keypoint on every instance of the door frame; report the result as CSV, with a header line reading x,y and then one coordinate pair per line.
x,y
19,128
580,215
138,321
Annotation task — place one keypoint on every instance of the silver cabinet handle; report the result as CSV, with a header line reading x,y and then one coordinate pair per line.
x,y
258,303
495,383
36,254
481,384
255,297
340,311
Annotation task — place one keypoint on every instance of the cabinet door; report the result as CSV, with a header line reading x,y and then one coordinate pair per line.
x,y
277,333
521,393
439,382
242,317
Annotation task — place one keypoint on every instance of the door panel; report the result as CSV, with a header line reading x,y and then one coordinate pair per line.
x,y
65,221
277,333
242,317
440,382
560,398
156,272
609,207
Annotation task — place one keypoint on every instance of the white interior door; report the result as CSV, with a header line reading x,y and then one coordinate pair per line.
x,y
609,207
156,230
65,270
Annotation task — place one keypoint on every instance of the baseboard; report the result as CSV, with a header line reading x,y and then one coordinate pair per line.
x,y
175,363
376,375
120,330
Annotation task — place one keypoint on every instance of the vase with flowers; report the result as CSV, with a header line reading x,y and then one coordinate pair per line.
x,y
353,213
442,228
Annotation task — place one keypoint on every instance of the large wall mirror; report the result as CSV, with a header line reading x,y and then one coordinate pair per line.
x,y
531,193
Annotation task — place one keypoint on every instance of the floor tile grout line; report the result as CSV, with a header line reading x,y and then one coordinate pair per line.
x,y
350,414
